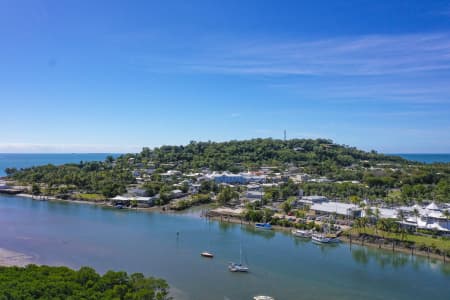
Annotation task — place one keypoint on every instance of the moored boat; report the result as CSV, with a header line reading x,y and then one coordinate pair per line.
x,y
233,267
207,254
266,226
324,239
261,297
302,233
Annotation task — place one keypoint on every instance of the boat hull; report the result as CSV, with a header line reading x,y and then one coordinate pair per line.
x,y
265,226
207,254
302,234
237,268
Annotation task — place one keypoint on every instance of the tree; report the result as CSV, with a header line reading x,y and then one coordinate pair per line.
x,y
35,189
355,199
44,282
133,203
447,216
286,207
226,195
416,215
10,171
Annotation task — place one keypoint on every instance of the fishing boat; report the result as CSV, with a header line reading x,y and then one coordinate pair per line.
x,y
234,267
266,226
324,239
302,233
207,254
263,298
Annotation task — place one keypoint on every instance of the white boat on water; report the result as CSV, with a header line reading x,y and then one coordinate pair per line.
x,y
324,239
207,254
234,267
302,233
263,298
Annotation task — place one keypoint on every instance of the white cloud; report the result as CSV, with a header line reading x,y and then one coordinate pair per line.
x,y
361,55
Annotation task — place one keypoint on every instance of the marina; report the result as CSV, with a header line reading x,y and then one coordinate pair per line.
x,y
282,266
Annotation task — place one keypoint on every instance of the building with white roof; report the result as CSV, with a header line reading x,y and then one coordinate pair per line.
x,y
338,208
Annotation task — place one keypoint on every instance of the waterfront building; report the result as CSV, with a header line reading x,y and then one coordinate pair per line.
x,y
338,208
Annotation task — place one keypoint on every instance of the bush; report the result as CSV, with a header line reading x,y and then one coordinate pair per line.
x,y
44,282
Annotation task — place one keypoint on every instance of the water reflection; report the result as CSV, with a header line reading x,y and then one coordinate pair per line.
x,y
267,234
384,258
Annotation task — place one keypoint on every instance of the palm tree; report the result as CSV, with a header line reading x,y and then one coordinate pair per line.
x,y
447,216
377,216
416,214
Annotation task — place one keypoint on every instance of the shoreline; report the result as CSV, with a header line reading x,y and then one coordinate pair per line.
x,y
345,239
237,220
76,201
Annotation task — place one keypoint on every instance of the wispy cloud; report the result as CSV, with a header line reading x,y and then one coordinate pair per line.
x,y
235,115
362,55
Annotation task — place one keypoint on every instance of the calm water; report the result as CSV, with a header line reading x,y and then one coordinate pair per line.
x,y
281,266
427,158
12,160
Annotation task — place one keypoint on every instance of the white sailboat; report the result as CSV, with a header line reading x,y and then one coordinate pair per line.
x,y
263,298
234,267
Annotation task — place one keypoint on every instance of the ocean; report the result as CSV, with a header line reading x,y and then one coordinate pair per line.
x,y
21,160
427,158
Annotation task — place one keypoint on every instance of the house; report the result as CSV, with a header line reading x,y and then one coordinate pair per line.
x,y
430,217
309,200
141,201
231,178
136,191
254,195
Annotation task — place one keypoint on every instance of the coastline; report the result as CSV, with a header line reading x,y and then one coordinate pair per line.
x,y
224,219
345,239
76,201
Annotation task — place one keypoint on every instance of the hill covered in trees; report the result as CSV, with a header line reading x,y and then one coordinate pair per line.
x,y
377,173
234,155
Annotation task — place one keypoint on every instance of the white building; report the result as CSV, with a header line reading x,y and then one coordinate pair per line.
x,y
309,200
241,178
338,208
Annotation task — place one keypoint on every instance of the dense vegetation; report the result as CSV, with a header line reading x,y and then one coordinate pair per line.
x,y
44,282
374,175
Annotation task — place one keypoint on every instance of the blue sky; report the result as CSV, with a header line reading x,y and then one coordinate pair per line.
x,y
113,76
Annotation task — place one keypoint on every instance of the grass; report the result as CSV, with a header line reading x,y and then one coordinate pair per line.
x,y
428,241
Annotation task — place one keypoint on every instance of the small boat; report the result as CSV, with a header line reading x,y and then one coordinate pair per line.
x,y
233,267
263,298
263,226
324,239
207,254
302,233
119,206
